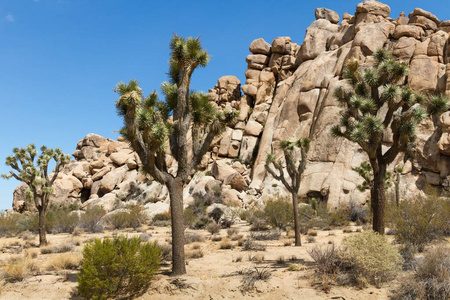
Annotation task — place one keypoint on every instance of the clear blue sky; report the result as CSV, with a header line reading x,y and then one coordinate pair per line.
x,y
60,59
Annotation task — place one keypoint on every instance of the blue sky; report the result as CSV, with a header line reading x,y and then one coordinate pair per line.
x,y
60,59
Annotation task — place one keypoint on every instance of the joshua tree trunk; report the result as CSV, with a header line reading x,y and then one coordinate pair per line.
x,y
378,197
298,241
397,188
175,187
42,230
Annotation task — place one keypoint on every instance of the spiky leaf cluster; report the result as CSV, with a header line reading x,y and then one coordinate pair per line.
x,y
33,170
366,172
185,52
382,86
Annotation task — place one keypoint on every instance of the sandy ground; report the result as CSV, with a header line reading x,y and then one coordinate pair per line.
x,y
216,275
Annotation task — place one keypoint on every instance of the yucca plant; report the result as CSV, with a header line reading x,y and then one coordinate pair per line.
x,y
34,173
151,125
379,100
295,168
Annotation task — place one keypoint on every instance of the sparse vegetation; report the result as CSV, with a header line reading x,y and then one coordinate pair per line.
x,y
422,220
89,221
213,228
430,280
252,276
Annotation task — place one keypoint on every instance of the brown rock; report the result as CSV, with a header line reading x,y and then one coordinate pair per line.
x,y
249,89
236,181
221,170
257,61
110,180
423,74
281,45
408,31
426,23
374,8
253,128
327,14
426,14
121,157
316,39
260,46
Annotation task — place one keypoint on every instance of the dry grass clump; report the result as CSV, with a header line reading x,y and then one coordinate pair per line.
x,y
251,245
213,228
431,279
18,268
232,232
251,276
14,270
327,264
57,249
193,254
226,244
216,238
192,237
266,236
67,261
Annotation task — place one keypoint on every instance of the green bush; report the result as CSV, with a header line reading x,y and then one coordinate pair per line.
x,y
279,212
132,217
369,258
89,221
10,224
430,281
421,221
117,268
61,220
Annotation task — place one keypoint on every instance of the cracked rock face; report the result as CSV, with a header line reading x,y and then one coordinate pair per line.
x,y
288,94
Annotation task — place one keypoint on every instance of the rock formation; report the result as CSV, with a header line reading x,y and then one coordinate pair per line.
x,y
287,94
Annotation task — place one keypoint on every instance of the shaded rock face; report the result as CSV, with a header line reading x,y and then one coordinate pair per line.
x,y
287,94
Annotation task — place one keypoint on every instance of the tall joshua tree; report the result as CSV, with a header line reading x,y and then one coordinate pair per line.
x,y
149,123
295,169
37,178
379,99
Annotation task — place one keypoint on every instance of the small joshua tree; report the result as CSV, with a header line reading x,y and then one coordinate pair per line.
x,y
295,169
37,178
150,123
379,99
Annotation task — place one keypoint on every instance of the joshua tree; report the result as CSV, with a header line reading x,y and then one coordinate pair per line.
x,y
295,169
36,177
150,123
380,100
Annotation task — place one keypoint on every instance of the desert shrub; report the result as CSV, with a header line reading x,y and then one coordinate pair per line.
x,y
57,249
10,224
195,253
358,213
213,228
251,245
430,281
232,231
124,219
369,258
117,268
226,244
252,276
216,214
326,258
68,261
266,236
279,212
15,270
339,217
61,220
421,221
89,221
192,237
